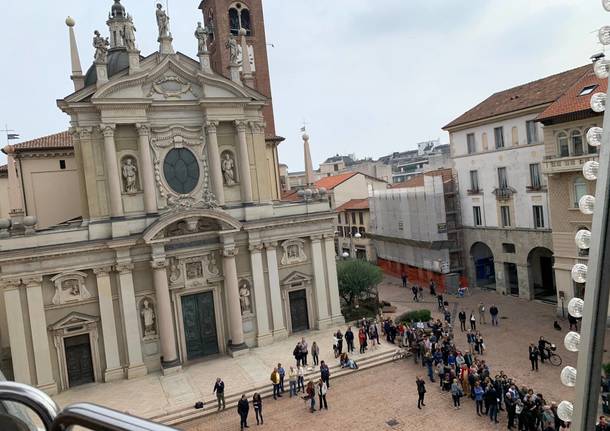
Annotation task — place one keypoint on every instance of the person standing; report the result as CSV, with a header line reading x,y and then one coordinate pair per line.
x,y
325,373
415,291
257,403
292,382
482,313
473,321
462,317
311,396
349,339
282,373
491,399
404,279
509,403
300,379
275,380
456,393
478,397
315,351
421,392
573,322
439,299
432,287
339,336
533,355
362,340
243,407
322,389
304,351
297,353
493,311
219,388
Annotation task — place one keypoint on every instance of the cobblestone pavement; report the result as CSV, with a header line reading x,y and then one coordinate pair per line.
x,y
369,399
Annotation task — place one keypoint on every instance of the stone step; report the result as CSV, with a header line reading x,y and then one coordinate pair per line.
x,y
187,413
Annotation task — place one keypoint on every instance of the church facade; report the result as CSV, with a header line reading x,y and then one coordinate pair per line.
x,y
183,249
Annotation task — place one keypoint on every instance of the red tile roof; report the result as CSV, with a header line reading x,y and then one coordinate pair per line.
x,y
291,196
536,93
418,180
354,204
571,102
330,183
62,140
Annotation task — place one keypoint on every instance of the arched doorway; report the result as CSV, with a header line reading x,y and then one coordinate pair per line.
x,y
541,276
483,260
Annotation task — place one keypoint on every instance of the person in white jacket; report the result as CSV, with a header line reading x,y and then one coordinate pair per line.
x,y
322,389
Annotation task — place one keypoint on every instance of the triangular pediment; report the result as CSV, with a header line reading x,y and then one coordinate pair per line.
x,y
296,277
72,320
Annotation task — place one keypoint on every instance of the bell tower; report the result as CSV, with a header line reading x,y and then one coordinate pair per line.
x,y
223,18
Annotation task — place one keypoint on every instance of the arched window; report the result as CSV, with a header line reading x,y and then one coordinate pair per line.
x,y
579,190
239,17
590,148
577,147
562,145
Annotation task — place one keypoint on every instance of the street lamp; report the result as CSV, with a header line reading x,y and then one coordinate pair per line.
x,y
345,255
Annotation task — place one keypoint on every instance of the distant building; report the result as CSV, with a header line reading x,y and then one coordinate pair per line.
x,y
407,164
566,123
416,229
497,149
353,219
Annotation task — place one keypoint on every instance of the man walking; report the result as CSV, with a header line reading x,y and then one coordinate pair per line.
x,y
462,317
482,313
421,392
219,388
493,311
415,291
322,389
243,407
349,339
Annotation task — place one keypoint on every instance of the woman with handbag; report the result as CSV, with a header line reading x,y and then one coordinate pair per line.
x,y
456,394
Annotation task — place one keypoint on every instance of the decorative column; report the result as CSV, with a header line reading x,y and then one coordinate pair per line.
x,y
232,297
146,167
244,163
16,332
260,296
333,285
214,159
523,274
113,371
40,339
279,327
320,282
136,367
170,362
112,171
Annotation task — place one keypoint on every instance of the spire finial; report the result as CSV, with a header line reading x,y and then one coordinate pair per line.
x,y
309,177
77,71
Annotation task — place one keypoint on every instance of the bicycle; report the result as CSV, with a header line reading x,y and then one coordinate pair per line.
x,y
553,357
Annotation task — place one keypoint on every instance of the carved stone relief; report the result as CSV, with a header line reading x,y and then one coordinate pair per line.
x,y
175,273
293,252
69,288
194,270
211,265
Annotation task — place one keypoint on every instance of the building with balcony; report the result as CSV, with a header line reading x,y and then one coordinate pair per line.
x,y
566,150
416,229
498,150
353,221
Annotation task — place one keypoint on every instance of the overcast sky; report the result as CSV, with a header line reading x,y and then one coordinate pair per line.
x,y
368,76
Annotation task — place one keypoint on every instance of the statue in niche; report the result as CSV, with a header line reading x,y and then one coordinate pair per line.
x,y
129,34
174,271
101,48
149,317
130,175
162,21
210,260
233,50
201,34
194,270
244,298
228,169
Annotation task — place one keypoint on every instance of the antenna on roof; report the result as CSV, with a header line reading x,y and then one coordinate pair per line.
x,y
598,56
10,136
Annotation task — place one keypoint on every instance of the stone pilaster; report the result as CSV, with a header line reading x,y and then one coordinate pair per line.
x,y
214,159
245,178
78,155
317,258
113,371
231,287
113,178
146,166
523,272
333,285
275,294
40,338
170,362
263,336
16,331
131,321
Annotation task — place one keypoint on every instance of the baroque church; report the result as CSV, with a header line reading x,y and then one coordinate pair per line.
x,y
178,246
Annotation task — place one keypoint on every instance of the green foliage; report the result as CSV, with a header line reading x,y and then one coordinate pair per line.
x,y
606,368
367,308
357,279
414,316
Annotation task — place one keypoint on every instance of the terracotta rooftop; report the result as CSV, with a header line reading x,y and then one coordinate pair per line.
x,y
52,142
354,204
418,180
291,196
572,103
535,93
330,183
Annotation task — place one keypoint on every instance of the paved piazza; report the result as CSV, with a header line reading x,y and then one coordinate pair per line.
x,y
367,400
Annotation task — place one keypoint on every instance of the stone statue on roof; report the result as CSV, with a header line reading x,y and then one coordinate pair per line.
x,y
202,37
129,34
101,45
162,21
233,50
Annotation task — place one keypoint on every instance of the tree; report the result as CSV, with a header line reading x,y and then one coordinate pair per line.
x,y
357,279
